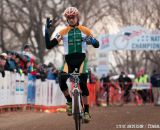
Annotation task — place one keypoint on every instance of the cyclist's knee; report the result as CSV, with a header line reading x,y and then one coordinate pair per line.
x,y
62,81
83,85
85,92
62,77
63,86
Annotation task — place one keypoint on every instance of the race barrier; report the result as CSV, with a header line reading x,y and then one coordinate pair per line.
x,y
13,89
141,86
17,91
48,95
24,92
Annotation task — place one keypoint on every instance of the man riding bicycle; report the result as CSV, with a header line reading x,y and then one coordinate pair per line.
x,y
75,38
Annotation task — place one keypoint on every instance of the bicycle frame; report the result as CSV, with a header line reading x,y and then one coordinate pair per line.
x,y
77,108
76,89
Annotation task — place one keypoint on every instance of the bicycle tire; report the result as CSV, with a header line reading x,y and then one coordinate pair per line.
x,y
77,116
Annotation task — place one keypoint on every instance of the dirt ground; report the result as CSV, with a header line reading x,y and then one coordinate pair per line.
x,y
103,118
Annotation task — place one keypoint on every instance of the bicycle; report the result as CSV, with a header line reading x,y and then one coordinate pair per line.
x,y
77,104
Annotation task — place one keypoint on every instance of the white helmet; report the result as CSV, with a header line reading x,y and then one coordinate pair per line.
x,y
71,11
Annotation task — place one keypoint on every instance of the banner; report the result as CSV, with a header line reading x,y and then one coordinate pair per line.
x,y
141,86
48,93
16,89
131,38
20,88
31,89
2,94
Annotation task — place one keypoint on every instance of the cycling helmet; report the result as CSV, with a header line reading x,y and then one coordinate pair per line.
x,y
71,11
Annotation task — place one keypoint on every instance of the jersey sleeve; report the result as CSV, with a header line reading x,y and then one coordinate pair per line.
x,y
86,30
60,34
89,35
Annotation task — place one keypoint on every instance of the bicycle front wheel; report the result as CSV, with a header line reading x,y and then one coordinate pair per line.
x,y
77,116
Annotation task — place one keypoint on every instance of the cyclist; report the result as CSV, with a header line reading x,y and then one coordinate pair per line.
x,y
75,38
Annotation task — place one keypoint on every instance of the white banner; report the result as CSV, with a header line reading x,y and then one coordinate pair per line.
x,y
48,93
131,38
14,90
20,89
141,86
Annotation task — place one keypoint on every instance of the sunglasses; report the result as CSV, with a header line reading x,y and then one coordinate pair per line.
x,y
71,17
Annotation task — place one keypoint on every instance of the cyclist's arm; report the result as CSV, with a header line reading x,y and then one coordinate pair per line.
x,y
51,43
89,37
94,42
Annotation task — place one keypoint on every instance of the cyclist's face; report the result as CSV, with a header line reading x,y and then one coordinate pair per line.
x,y
72,20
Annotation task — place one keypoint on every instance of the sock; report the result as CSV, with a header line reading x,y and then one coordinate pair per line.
x,y
86,108
69,99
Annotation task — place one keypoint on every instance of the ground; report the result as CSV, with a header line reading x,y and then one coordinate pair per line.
x,y
103,118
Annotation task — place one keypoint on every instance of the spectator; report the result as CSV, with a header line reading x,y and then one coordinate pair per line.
x,y
155,82
50,72
42,72
26,57
126,85
105,82
2,64
23,63
121,80
26,49
115,93
12,63
6,66
127,89
92,77
142,78
4,55
17,61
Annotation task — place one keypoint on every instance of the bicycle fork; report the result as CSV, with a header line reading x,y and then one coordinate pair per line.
x,y
76,90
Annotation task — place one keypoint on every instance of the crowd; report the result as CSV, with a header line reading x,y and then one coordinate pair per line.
x,y
117,88
26,63
140,89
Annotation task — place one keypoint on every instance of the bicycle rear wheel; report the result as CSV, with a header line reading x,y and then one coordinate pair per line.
x,y
77,116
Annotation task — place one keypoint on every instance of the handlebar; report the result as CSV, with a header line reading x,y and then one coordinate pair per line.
x,y
74,76
71,74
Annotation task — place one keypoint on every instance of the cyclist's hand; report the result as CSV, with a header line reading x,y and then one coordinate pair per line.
x,y
90,40
48,23
87,40
48,27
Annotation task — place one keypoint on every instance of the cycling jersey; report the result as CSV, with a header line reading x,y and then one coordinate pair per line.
x,y
73,39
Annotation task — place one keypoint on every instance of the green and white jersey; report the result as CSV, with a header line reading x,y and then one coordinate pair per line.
x,y
72,39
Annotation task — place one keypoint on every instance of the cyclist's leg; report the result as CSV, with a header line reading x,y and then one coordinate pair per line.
x,y
83,84
64,88
85,94
62,81
83,69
